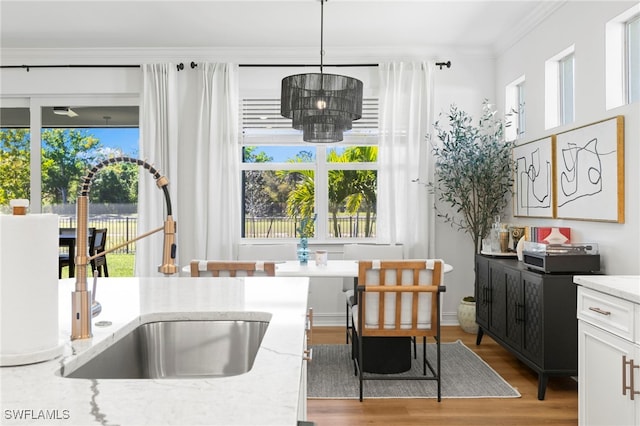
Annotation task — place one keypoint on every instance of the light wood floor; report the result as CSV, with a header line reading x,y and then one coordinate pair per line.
x,y
560,406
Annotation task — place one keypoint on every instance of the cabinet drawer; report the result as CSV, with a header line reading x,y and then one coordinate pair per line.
x,y
607,312
637,326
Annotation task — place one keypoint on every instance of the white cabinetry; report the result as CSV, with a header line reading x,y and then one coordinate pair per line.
x,y
608,359
306,357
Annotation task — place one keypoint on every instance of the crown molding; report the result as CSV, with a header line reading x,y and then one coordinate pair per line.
x,y
520,29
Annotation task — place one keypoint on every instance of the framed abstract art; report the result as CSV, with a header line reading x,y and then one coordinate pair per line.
x,y
533,180
589,172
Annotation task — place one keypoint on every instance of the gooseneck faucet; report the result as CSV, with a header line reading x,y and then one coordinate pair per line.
x,y
81,301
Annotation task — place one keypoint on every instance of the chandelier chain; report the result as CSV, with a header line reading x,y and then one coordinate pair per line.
x,y
321,34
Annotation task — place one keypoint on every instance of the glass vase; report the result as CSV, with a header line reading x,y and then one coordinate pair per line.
x,y
303,251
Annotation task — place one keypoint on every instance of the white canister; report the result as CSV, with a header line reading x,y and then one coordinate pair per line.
x,y
322,258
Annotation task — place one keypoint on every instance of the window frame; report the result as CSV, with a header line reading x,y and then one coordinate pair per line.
x,y
35,105
567,84
632,64
617,63
321,168
515,99
557,94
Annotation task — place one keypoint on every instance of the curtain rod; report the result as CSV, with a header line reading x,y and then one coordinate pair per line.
x,y
303,65
180,66
438,64
28,67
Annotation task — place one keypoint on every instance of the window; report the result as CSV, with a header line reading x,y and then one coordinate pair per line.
x,y
521,110
71,143
73,140
622,47
515,109
560,89
566,83
633,60
15,155
285,180
66,145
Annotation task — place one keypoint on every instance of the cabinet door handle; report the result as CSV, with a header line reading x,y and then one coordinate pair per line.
x,y
309,325
308,355
631,386
599,311
519,313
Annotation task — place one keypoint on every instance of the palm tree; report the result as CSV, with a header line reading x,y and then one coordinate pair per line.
x,y
352,190
364,184
300,202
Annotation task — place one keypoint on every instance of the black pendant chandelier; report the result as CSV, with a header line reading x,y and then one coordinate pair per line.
x,y
322,105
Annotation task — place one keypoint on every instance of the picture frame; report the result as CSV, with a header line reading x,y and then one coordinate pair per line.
x,y
589,172
533,179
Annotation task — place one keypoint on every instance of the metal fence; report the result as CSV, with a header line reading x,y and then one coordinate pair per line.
x,y
119,229
122,228
286,227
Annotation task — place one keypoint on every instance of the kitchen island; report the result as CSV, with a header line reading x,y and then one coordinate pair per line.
x,y
271,393
609,349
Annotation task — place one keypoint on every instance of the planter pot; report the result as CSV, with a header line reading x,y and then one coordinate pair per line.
x,y
467,316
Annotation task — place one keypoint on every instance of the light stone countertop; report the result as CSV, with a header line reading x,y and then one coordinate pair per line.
x,y
266,395
623,286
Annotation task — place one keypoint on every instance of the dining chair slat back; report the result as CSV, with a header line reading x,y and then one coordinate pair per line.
x,y
364,252
232,268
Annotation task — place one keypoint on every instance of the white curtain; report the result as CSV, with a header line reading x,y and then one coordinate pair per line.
x,y
216,207
405,207
159,147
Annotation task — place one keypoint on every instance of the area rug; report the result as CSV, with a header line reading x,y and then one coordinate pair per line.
x,y
464,375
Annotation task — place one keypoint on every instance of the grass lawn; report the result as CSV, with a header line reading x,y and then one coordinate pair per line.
x,y
120,265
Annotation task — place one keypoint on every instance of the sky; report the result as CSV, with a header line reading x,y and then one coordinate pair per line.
x,y
127,139
124,138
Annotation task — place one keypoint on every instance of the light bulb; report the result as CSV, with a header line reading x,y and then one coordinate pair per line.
x,y
321,104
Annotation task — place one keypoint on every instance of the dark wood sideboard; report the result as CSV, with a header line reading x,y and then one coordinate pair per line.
x,y
530,313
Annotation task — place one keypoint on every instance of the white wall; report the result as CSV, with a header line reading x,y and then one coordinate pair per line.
x,y
466,83
581,24
474,76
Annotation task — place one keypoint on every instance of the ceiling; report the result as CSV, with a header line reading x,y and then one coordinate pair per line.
x,y
94,116
287,30
384,25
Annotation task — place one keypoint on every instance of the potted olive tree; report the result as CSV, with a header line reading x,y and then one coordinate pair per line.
x,y
473,177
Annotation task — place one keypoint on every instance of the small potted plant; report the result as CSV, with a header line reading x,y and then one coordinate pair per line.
x,y
473,174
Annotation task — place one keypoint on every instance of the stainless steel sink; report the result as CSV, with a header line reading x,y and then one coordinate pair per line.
x,y
178,350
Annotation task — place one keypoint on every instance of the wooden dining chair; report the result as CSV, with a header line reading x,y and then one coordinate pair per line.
x,y
364,252
398,299
98,243
232,268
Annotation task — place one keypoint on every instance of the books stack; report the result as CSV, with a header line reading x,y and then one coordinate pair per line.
x,y
548,235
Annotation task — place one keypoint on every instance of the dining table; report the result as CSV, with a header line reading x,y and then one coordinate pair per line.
x,y
333,269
